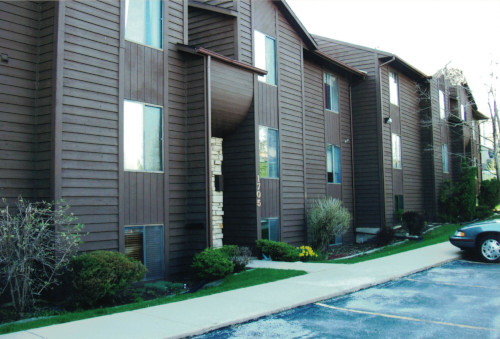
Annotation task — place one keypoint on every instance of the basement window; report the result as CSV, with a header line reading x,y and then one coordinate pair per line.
x,y
145,244
143,22
270,228
143,137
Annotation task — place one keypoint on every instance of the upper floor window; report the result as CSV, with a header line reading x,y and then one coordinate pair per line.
x,y
143,137
143,22
444,152
474,130
396,151
394,88
331,92
464,112
442,104
333,164
265,56
268,152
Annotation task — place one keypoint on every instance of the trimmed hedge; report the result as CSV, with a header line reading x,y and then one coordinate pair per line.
x,y
278,251
100,276
212,264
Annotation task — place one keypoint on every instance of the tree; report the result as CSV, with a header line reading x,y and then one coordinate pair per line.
x,y
37,241
495,119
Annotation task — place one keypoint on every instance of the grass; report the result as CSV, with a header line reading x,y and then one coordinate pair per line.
x,y
244,279
436,236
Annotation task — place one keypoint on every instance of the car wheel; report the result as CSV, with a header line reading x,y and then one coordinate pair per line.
x,y
489,248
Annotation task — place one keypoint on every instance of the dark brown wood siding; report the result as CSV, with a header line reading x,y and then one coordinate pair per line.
x,y
314,131
366,122
19,40
291,122
213,31
89,150
245,31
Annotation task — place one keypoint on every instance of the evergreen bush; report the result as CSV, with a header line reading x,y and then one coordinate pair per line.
x,y
489,194
385,236
413,222
100,276
212,264
483,212
278,251
239,256
326,219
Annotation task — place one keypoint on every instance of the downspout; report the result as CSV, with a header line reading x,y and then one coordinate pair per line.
x,y
208,140
352,166
382,132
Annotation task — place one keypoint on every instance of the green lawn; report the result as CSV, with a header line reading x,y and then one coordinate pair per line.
x,y
232,282
437,235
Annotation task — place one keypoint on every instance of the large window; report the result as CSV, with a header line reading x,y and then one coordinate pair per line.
x,y
444,152
143,22
394,88
464,112
143,137
331,92
268,152
442,105
396,151
265,56
333,164
145,244
270,228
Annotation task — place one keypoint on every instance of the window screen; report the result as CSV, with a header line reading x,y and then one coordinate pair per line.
x,y
145,244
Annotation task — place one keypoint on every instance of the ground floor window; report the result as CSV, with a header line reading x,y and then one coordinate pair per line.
x,y
399,208
145,244
333,166
270,228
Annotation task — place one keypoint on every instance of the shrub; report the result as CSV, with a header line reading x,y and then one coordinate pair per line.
x,y
307,254
239,256
458,202
489,194
483,212
278,251
212,264
327,218
413,222
385,236
37,241
100,276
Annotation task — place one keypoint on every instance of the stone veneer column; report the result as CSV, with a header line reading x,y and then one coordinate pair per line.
x,y
217,197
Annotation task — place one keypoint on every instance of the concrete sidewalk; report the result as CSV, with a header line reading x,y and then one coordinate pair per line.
x,y
200,315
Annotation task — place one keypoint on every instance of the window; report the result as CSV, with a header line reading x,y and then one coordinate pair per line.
x,y
446,168
396,151
399,207
333,166
142,137
464,112
268,152
270,229
331,93
265,56
143,22
474,130
442,105
145,244
393,88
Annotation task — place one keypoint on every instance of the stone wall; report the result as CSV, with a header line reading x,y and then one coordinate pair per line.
x,y
217,197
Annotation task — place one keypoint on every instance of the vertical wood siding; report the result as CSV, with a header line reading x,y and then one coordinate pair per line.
x,y
314,136
18,39
393,177
213,31
292,173
365,120
89,155
44,100
245,31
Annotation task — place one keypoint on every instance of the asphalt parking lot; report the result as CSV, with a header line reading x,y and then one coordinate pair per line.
x,y
460,299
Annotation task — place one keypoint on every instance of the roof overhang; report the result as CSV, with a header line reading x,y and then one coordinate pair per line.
x,y
405,67
335,65
296,24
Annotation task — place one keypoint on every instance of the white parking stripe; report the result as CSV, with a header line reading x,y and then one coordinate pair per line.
x,y
450,284
408,318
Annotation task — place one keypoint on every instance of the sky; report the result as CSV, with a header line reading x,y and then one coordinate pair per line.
x,y
427,34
